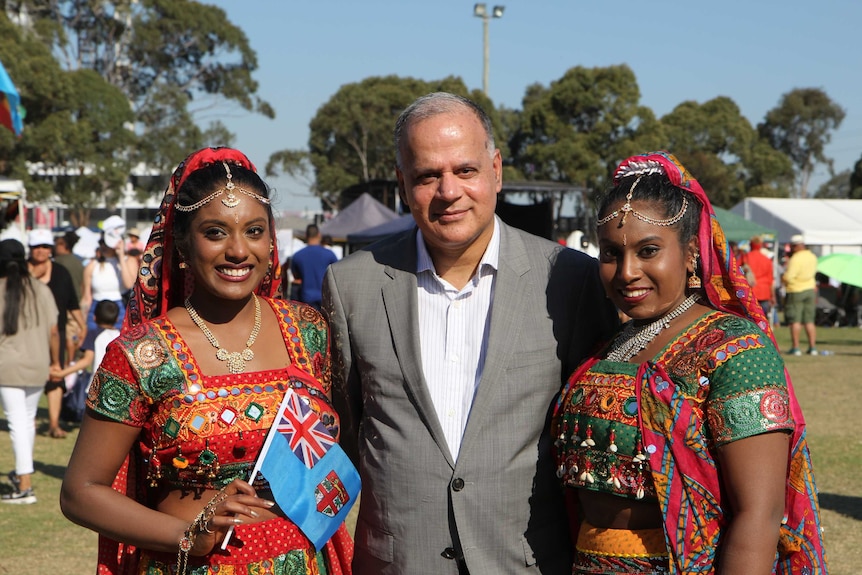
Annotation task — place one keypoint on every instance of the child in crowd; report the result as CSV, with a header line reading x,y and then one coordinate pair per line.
x,y
93,348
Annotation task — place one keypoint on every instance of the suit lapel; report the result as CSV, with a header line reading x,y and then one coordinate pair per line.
x,y
510,290
402,313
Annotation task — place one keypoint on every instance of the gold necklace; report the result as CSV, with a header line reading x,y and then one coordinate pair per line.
x,y
236,359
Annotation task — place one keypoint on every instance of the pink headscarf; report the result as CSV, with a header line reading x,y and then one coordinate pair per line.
x,y
723,281
800,542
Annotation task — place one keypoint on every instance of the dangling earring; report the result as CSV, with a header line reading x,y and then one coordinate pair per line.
x,y
694,279
183,266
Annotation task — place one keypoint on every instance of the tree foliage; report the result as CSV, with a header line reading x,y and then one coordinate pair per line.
x,y
174,61
801,126
75,127
577,129
351,134
837,187
726,154
855,183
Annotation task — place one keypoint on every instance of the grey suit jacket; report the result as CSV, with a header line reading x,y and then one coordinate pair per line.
x,y
499,508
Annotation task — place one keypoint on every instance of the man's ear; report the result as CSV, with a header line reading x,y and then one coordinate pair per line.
x,y
498,169
401,192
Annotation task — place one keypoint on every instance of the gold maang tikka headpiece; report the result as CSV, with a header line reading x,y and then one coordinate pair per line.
x,y
627,209
230,200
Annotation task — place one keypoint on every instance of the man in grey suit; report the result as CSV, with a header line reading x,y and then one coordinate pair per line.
x,y
450,343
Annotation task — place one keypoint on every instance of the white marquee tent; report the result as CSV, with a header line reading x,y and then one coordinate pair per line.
x,y
828,225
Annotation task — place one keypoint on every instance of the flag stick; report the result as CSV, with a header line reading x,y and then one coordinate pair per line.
x,y
257,464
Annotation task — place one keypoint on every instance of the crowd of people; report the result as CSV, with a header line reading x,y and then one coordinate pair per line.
x,y
501,416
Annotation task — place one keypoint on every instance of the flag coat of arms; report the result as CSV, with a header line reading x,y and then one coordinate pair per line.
x,y
312,479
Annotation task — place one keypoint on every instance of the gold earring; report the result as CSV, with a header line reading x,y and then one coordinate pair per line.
x,y
183,266
694,279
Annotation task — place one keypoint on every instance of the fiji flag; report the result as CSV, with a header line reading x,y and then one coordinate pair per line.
x,y
311,477
10,103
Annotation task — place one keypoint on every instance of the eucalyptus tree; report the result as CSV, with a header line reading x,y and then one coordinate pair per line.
x,y
577,129
801,126
724,152
855,191
75,122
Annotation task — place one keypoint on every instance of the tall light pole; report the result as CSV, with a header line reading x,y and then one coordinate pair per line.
x,y
481,11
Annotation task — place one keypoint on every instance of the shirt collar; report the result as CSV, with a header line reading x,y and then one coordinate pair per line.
x,y
490,259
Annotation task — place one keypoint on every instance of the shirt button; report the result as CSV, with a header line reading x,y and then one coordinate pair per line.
x,y
449,553
457,484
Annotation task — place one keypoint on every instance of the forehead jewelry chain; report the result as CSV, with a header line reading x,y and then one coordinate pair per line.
x,y
235,360
634,339
231,200
627,209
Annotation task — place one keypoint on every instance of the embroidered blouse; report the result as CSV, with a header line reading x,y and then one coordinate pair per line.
x,y
724,366
202,431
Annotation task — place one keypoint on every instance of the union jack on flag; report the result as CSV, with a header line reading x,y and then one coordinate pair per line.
x,y
307,436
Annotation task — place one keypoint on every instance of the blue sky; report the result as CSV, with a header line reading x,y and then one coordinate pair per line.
x,y
751,51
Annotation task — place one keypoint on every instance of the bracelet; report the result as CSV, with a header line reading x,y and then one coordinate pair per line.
x,y
187,541
199,525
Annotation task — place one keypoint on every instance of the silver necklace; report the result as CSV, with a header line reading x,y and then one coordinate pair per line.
x,y
632,339
235,359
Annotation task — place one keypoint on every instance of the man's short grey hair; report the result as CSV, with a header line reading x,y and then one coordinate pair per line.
x,y
437,103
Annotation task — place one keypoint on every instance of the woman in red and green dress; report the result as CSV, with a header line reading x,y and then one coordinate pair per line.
x,y
681,443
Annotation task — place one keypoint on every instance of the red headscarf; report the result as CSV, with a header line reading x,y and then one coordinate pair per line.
x,y
161,284
725,284
154,293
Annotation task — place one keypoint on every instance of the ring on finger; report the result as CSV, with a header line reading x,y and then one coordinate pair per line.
x,y
206,526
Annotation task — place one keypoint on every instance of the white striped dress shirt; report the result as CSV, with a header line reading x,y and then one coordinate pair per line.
x,y
453,333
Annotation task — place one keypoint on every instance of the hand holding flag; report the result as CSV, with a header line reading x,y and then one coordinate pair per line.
x,y
310,476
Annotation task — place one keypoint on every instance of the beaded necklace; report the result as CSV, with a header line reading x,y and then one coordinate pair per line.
x,y
632,339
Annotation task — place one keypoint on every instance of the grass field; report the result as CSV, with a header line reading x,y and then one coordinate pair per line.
x,y
37,539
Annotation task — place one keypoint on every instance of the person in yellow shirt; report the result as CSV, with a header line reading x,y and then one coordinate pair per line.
x,y
799,283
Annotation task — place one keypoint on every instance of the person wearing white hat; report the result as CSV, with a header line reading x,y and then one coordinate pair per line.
x,y
800,305
111,273
58,279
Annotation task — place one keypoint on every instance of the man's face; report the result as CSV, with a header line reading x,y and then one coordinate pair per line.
x,y
450,181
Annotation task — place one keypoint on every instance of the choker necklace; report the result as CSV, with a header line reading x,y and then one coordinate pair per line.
x,y
634,339
236,359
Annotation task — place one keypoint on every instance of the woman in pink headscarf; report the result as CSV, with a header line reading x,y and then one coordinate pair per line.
x,y
681,443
